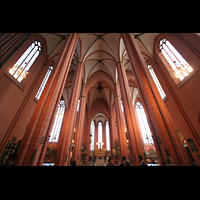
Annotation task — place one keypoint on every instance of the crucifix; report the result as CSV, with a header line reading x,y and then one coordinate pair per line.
x,y
100,143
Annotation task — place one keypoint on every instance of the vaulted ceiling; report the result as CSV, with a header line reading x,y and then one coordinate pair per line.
x,y
100,52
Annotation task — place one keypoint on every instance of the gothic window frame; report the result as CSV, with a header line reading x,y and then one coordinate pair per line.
x,y
56,129
92,131
21,67
100,134
157,82
43,84
179,66
107,136
143,124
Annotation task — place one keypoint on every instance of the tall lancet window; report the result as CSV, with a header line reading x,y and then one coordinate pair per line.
x,y
78,105
144,126
58,122
122,106
156,81
107,137
99,134
92,128
179,65
42,86
20,69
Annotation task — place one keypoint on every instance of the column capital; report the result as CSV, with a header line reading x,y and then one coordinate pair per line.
x,y
83,96
81,62
118,62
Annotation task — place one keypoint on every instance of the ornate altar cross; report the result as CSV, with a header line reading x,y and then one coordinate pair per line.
x,y
100,143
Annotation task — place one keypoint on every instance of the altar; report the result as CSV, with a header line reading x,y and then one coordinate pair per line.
x,y
100,152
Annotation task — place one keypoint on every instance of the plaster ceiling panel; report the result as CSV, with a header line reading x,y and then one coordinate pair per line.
x,y
98,55
107,93
131,90
78,49
148,41
142,48
101,67
113,41
135,92
122,47
111,67
128,66
100,45
51,40
58,49
86,41
88,67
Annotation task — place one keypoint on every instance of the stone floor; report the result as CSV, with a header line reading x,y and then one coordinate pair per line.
x,y
99,162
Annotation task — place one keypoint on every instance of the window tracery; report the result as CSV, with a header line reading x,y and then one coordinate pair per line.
x,y
58,122
20,69
179,65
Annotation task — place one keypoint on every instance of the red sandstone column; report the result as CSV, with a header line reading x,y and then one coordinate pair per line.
x,y
120,123
165,132
112,143
39,123
87,133
63,153
135,142
79,129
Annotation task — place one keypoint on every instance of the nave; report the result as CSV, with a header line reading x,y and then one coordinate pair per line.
x,y
76,96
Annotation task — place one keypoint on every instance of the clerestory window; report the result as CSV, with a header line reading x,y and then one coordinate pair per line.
x,y
58,122
20,69
107,137
179,65
156,81
43,84
144,126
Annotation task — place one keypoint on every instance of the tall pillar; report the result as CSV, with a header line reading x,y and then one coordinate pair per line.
x,y
88,144
30,148
79,128
120,123
165,132
65,139
135,142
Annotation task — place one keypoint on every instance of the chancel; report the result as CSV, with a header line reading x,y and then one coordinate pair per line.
x,y
88,97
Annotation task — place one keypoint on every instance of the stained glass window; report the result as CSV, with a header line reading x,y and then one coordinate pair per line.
x,y
58,122
156,81
146,133
179,65
20,69
42,86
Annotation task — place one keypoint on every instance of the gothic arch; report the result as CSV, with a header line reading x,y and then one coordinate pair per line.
x,y
99,76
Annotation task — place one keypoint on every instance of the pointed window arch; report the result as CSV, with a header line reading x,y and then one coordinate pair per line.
x,y
99,133
144,126
179,65
92,133
58,122
43,84
107,137
20,69
122,106
156,81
